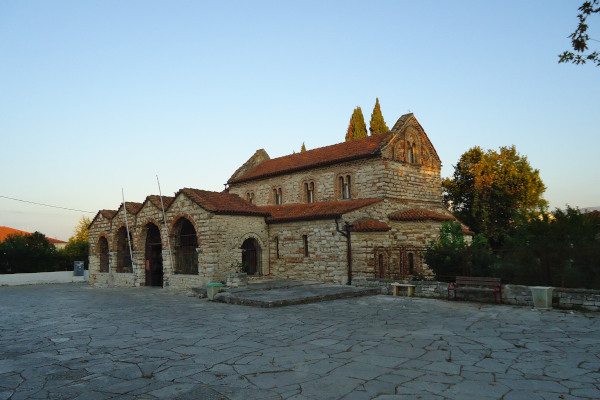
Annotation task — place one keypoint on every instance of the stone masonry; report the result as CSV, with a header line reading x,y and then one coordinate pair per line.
x,y
364,208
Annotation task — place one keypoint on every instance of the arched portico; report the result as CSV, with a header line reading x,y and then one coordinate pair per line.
x,y
153,256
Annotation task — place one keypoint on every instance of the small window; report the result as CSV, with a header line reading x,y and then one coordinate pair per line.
x,y
411,263
346,187
305,244
278,196
411,154
250,197
309,192
277,246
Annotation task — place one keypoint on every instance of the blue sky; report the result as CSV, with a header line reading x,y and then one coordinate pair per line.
x,y
96,96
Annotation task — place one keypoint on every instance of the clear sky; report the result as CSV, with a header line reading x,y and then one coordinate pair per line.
x,y
96,96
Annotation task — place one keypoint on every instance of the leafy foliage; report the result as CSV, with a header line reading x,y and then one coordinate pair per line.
x,y
356,128
451,255
559,249
28,253
580,37
377,124
489,189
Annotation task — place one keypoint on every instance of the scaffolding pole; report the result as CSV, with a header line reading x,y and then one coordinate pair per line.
x,y
166,227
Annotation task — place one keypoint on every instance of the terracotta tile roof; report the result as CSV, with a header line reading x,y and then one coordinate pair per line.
x,y
323,156
311,211
221,203
108,214
5,231
155,199
467,232
370,225
419,214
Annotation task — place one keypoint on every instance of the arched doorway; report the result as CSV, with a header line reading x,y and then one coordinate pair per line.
x,y
124,263
154,262
103,250
186,245
251,256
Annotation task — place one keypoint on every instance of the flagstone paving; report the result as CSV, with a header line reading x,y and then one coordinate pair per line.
x,y
70,341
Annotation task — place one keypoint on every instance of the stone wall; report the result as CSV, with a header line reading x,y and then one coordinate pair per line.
x,y
220,238
562,298
326,260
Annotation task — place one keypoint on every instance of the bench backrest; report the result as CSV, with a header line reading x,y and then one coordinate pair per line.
x,y
477,281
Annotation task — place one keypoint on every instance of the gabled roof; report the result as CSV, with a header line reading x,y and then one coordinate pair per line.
x,y
132,208
419,214
155,199
221,202
323,156
5,231
370,225
108,214
312,211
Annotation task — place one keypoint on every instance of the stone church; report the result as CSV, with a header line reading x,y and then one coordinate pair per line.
x,y
361,208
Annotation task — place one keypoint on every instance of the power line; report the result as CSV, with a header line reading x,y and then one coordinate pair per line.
x,y
46,205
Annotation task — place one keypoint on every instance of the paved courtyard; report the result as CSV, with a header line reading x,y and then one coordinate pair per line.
x,y
70,341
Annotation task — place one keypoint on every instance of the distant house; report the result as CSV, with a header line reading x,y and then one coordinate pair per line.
x,y
5,231
364,208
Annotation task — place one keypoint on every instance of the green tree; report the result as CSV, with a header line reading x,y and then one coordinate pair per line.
x,y
489,189
451,254
303,148
580,37
78,247
27,253
559,249
377,124
81,230
357,128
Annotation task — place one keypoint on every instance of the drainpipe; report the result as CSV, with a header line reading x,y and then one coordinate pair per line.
x,y
346,234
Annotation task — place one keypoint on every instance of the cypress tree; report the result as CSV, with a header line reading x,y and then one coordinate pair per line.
x,y
357,128
377,124
303,148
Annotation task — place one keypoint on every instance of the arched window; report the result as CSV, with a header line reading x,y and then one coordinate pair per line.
x,y
124,263
411,155
103,253
250,197
186,243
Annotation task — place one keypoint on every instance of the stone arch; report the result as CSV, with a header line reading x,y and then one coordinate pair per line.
x,y
153,262
103,253
252,255
141,236
124,262
185,246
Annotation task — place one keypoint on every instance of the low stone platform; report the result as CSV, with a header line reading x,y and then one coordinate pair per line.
x,y
287,293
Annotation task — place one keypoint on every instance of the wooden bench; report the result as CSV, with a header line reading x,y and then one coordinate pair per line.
x,y
409,288
476,283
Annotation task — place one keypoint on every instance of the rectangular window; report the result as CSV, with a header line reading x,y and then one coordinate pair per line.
x,y
346,187
278,196
305,244
277,246
309,192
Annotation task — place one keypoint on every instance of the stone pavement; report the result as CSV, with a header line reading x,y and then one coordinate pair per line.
x,y
277,295
70,341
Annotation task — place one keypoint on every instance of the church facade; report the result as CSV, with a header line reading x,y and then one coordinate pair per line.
x,y
366,208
